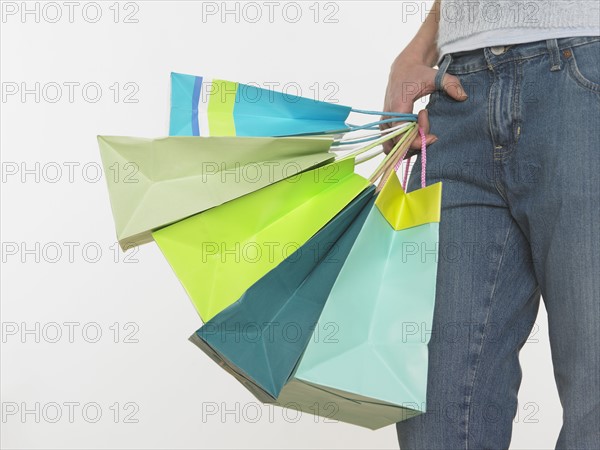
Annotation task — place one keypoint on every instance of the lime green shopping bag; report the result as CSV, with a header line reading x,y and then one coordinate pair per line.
x,y
218,254
156,182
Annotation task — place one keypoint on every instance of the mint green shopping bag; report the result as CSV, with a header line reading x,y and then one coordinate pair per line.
x,y
156,182
372,371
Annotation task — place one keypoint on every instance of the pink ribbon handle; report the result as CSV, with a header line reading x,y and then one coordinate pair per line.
x,y
423,158
423,163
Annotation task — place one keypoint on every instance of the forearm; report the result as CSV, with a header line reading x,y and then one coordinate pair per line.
x,y
412,76
423,47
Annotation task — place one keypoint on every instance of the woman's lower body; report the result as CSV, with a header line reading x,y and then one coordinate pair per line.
x,y
520,166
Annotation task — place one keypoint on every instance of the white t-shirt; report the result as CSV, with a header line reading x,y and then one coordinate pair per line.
x,y
472,24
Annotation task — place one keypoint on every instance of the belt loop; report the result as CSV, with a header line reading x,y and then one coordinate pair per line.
x,y
439,76
554,52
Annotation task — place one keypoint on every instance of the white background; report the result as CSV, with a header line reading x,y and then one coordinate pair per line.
x,y
177,395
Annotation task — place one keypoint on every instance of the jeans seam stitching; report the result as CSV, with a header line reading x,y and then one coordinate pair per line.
x,y
496,156
579,44
497,184
492,298
490,115
516,103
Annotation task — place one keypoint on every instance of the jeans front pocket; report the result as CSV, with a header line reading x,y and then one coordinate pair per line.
x,y
584,65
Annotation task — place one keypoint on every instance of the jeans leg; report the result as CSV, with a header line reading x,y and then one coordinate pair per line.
x,y
553,187
487,296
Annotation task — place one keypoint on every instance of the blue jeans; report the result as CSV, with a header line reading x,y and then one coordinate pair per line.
x,y
520,166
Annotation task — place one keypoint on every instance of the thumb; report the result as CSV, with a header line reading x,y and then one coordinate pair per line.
x,y
453,88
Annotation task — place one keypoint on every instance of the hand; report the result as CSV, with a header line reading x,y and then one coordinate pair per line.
x,y
410,79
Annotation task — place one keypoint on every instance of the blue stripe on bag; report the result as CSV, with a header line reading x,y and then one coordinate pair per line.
x,y
195,101
182,89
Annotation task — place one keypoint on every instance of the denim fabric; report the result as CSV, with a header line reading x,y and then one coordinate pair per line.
x,y
520,163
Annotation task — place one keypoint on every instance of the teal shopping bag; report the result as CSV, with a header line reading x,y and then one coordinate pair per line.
x,y
260,338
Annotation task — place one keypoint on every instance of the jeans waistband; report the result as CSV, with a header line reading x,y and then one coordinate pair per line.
x,y
481,59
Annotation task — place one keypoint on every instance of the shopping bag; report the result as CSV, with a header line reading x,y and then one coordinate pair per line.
x,y
219,254
374,372
211,107
155,182
260,338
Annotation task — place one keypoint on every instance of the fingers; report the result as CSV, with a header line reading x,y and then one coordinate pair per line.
x,y
423,122
454,88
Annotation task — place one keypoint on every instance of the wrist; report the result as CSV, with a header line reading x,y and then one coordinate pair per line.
x,y
420,51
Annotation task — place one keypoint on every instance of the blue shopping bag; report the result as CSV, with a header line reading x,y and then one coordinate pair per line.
x,y
210,107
